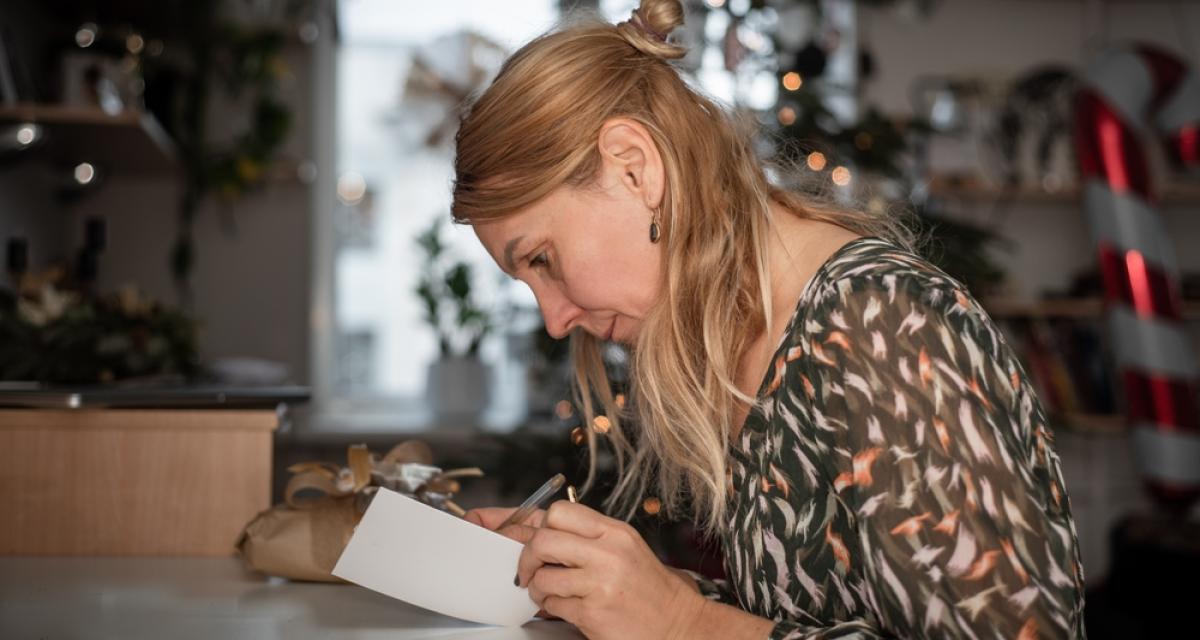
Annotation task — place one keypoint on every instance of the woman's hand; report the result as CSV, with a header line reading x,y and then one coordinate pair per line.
x,y
598,574
492,517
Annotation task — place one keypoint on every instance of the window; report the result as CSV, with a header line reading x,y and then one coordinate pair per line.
x,y
401,67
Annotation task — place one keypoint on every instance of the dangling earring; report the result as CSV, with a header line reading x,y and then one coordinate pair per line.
x,y
654,228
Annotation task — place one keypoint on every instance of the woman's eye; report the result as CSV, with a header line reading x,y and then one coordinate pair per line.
x,y
539,260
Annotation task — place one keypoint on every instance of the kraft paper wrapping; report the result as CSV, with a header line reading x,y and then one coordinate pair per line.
x,y
302,538
300,544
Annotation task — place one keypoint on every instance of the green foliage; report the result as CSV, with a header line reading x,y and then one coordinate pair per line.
x,y
960,249
60,338
445,293
875,143
244,63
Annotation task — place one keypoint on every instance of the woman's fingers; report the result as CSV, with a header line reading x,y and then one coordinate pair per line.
x,y
492,517
557,581
519,532
578,519
488,517
549,546
474,517
565,608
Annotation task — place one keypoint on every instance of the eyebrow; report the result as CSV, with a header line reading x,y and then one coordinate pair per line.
x,y
508,252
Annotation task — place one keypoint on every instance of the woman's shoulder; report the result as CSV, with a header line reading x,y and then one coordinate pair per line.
x,y
875,264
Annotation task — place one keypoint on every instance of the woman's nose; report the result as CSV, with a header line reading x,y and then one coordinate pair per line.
x,y
559,313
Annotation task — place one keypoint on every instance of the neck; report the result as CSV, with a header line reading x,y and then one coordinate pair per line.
x,y
796,248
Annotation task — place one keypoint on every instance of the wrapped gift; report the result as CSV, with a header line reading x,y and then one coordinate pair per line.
x,y
302,538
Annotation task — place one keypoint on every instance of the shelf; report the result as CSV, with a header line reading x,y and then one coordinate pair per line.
x,y
973,189
127,143
1095,423
1077,308
1083,308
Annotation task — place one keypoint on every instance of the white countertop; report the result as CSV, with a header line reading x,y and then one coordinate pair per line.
x,y
202,598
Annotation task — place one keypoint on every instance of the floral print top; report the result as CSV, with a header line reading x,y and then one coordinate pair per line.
x,y
897,478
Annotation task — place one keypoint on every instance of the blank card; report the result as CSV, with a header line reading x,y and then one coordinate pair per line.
x,y
411,551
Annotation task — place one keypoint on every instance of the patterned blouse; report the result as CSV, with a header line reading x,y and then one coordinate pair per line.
x,y
897,477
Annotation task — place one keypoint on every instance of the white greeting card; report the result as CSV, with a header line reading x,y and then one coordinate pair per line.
x,y
411,551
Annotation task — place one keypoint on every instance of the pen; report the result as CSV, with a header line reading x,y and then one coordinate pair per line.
x,y
535,501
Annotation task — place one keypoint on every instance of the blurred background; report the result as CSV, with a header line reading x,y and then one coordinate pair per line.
x,y
223,209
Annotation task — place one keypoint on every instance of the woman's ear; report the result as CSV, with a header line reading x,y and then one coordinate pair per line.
x,y
628,154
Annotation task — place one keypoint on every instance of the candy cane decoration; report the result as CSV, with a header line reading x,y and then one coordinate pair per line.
x,y
1129,91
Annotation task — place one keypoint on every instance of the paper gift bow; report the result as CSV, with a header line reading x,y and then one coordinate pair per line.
x,y
303,538
407,468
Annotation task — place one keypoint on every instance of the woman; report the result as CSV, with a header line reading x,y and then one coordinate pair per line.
x,y
841,414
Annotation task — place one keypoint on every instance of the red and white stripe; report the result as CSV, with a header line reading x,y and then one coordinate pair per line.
x,y
1131,93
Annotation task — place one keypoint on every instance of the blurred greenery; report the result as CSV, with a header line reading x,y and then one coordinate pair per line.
x,y
61,338
446,295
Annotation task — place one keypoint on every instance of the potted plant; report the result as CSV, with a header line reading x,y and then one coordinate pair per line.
x,y
458,383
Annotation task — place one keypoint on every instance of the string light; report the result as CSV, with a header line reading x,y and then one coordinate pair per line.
x,y
652,505
876,205
85,36
28,134
306,171
578,436
563,409
787,116
309,32
620,400
601,424
792,81
816,161
84,173
841,176
351,188
753,40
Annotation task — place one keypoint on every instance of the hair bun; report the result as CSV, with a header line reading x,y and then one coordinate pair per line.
x,y
649,26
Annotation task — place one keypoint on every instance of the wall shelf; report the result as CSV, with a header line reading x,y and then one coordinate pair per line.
x,y
1077,308
969,188
1090,423
128,143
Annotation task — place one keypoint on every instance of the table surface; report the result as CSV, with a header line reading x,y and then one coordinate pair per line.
x,y
184,598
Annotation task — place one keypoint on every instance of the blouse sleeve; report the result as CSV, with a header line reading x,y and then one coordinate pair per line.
x,y
964,528
720,591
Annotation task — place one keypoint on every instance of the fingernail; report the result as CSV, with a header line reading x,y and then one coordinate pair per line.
x,y
517,580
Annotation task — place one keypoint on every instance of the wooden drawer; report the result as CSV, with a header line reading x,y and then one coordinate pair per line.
x,y
131,482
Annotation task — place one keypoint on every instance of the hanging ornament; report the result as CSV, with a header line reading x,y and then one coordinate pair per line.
x,y
810,61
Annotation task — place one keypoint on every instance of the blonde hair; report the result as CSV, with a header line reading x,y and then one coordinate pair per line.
x,y
536,128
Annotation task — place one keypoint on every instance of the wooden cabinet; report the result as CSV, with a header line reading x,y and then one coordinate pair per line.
x,y
131,481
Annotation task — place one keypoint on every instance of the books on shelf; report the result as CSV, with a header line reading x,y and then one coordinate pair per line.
x,y
1069,367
